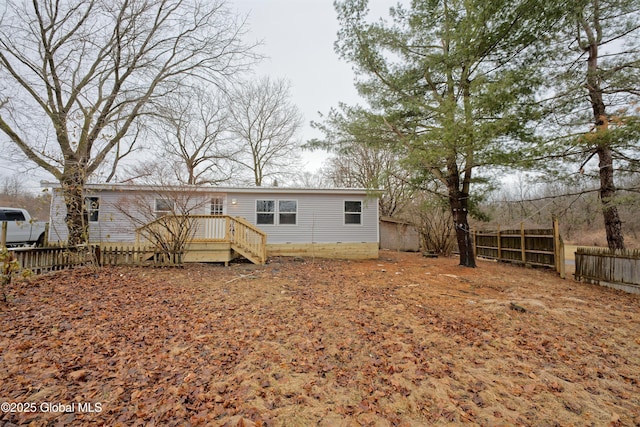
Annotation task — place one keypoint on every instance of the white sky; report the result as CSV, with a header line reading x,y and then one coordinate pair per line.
x,y
298,38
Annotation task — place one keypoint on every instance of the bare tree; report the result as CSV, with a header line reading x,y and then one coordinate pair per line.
x,y
12,186
432,218
77,76
311,179
192,134
265,123
14,193
162,216
363,166
574,203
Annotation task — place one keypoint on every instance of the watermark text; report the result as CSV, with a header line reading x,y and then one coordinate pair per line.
x,y
54,407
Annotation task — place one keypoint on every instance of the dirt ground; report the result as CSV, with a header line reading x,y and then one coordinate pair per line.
x,y
399,341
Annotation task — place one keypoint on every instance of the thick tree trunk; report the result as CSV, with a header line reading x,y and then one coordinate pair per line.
x,y
73,182
612,222
458,202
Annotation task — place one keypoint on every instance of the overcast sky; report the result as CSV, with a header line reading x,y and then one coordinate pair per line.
x,y
298,38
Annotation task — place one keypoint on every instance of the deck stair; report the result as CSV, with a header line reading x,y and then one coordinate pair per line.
x,y
210,238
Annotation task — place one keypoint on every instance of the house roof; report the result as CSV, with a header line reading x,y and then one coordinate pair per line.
x,y
214,189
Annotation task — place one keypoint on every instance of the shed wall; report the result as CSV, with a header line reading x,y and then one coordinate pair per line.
x,y
399,236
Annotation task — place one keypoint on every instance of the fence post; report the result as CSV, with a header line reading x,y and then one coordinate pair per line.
x,y
97,256
45,242
523,249
4,234
562,271
499,244
558,249
475,241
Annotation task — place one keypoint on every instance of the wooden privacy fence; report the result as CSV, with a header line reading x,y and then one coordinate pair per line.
x,y
538,247
44,260
618,269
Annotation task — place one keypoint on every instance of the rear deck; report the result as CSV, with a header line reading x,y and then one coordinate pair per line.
x,y
207,238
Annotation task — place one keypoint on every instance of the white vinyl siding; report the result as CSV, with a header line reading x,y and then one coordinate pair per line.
x,y
319,218
319,215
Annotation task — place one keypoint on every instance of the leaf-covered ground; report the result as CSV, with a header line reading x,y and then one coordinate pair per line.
x,y
399,341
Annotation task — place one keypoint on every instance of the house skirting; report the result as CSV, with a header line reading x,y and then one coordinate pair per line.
x,y
222,252
325,250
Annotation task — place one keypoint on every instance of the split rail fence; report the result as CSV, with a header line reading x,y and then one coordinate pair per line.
x,y
536,247
619,269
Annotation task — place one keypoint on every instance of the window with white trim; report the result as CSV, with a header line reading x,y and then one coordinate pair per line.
x,y
163,207
287,212
353,212
277,212
217,206
92,204
265,212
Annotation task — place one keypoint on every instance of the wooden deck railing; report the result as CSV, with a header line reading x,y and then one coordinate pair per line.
x,y
248,240
245,238
136,255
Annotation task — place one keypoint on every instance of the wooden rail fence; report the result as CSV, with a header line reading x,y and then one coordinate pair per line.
x,y
618,269
537,247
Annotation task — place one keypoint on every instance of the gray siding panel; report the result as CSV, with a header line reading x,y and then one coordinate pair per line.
x,y
320,218
57,227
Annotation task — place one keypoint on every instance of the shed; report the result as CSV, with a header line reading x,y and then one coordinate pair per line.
x,y
398,235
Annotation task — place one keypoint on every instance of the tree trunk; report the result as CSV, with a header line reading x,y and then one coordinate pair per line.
x,y
459,202
73,182
612,222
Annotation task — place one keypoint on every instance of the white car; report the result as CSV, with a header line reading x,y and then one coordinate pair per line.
x,y
21,228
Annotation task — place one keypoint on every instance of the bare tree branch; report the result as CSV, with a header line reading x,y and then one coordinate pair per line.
x,y
264,123
88,71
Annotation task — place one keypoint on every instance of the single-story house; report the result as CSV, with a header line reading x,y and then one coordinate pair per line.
x,y
336,223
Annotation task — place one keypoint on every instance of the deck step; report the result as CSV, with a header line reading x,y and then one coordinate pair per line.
x,y
218,238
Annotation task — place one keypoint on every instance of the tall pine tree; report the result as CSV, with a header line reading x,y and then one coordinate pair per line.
x,y
454,81
595,95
